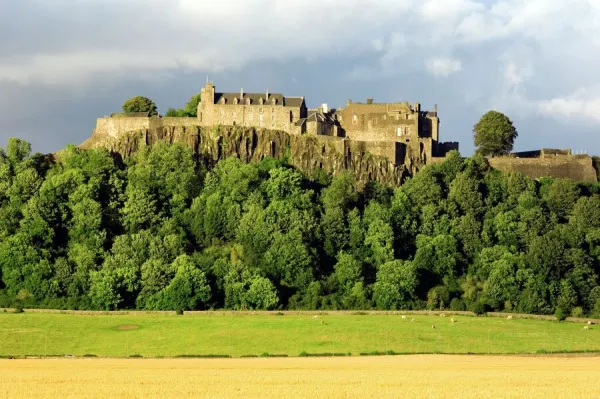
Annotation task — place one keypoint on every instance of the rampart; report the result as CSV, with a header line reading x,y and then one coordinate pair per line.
x,y
117,126
575,167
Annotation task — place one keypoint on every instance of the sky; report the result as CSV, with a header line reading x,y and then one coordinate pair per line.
x,y
64,63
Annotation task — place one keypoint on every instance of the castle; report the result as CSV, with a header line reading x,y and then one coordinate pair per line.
x,y
392,130
402,137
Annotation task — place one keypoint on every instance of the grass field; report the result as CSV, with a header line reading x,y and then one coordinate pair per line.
x,y
387,376
152,335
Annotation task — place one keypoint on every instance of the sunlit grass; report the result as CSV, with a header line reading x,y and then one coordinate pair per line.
x,y
151,335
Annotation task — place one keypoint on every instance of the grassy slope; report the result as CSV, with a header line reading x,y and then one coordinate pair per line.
x,y
237,335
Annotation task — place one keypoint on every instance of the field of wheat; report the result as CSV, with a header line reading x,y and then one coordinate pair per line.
x,y
394,376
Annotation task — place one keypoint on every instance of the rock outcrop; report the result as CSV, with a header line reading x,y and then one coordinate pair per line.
x,y
306,152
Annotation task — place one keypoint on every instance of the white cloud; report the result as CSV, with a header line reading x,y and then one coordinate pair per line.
x,y
443,67
582,103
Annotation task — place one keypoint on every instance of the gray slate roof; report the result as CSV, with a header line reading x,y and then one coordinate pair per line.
x,y
255,99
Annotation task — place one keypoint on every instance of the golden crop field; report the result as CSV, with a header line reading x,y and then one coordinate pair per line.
x,y
386,376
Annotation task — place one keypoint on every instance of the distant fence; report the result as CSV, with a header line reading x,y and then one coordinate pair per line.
x,y
301,312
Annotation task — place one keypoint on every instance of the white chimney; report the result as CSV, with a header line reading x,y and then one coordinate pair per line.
x,y
325,108
241,94
267,96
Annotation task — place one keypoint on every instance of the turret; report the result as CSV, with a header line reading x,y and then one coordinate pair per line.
x,y
207,94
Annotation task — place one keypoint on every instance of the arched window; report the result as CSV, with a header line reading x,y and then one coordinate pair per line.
x,y
247,101
222,101
235,100
261,101
273,101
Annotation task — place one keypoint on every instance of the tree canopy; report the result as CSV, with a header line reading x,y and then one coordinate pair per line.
x,y
494,134
189,110
160,231
139,104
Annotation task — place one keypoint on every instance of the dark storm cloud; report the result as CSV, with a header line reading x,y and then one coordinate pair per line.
x,y
64,63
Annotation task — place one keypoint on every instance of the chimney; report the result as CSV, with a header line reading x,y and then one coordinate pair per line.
x,y
369,101
267,96
435,108
241,94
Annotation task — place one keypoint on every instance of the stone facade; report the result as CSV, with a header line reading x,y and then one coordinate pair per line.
x,y
260,110
548,163
394,130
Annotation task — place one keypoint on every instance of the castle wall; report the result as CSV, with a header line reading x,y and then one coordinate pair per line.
x,y
575,167
117,126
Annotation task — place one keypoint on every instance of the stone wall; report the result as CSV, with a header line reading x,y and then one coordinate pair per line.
x,y
575,167
116,126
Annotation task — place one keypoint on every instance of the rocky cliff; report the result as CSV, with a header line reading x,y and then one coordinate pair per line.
x,y
306,152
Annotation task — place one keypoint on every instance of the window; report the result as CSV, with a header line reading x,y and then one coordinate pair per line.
x,y
260,110
374,121
249,117
407,116
354,119
407,131
235,100
272,117
384,117
398,131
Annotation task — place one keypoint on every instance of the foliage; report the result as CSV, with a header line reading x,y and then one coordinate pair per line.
x,y
494,134
139,104
189,110
160,231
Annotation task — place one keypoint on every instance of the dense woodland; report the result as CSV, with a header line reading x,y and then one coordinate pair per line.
x,y
87,230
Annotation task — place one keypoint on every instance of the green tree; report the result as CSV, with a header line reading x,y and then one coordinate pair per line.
x,y
395,286
494,134
139,104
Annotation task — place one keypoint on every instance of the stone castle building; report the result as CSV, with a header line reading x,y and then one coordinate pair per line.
x,y
394,130
407,136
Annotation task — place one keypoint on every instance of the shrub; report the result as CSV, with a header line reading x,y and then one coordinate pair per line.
x,y
577,312
478,308
438,297
560,313
19,309
179,312
457,305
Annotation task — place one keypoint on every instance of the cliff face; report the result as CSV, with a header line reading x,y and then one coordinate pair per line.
x,y
306,152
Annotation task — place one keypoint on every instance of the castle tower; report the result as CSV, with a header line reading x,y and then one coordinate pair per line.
x,y
207,94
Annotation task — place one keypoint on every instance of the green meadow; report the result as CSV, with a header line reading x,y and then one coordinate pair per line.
x,y
208,334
